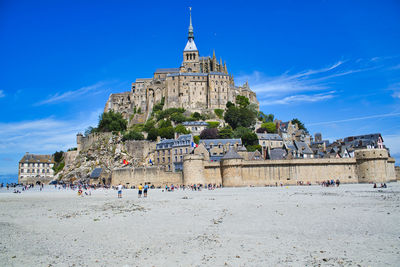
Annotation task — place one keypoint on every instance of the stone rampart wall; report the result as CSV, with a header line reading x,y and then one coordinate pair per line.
x,y
300,170
369,166
153,175
397,170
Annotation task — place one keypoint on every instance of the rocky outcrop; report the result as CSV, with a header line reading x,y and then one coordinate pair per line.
x,y
105,151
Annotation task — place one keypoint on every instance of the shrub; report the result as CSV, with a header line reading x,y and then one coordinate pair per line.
x,y
219,113
209,133
213,124
133,135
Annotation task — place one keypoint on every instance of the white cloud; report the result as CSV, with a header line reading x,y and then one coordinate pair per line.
x,y
44,135
356,119
69,95
2,94
289,88
393,142
299,98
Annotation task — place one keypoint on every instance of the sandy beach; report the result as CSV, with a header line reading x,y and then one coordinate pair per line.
x,y
350,225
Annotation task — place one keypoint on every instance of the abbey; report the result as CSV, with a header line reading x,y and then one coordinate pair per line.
x,y
198,85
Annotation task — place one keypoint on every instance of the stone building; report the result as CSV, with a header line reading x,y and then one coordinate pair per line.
x,y
195,127
269,141
200,84
169,152
217,148
35,168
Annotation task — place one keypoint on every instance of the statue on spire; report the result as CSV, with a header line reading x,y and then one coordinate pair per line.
x,y
190,25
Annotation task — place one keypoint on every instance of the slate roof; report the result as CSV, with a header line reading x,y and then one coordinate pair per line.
x,y
373,137
269,136
167,70
277,153
231,154
96,173
32,158
194,123
208,142
187,74
182,140
302,147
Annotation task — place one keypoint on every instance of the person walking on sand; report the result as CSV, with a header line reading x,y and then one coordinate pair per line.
x,y
145,188
140,187
119,188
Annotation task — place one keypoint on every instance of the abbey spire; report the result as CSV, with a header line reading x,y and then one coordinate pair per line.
x,y
190,45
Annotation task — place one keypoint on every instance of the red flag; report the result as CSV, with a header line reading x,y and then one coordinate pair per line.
x,y
125,162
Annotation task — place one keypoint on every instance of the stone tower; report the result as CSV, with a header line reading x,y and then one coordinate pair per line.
x,y
373,166
231,169
191,61
193,169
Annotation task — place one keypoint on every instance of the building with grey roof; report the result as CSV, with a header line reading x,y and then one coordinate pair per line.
x,y
197,84
170,152
34,168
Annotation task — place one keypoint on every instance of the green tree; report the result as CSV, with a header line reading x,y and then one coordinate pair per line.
x,y
196,139
270,126
112,121
249,139
219,112
150,124
152,134
167,132
178,117
241,131
242,101
58,156
209,133
133,135
164,124
299,124
196,116
181,129
225,133
243,115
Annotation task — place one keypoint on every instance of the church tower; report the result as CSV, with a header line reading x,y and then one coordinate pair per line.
x,y
191,61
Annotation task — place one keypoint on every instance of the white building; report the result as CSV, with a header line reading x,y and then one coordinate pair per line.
x,y
34,168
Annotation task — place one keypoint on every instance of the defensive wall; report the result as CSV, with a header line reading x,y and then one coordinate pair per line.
x,y
397,170
368,166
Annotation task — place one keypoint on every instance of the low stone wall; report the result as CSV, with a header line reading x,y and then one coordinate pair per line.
x,y
153,175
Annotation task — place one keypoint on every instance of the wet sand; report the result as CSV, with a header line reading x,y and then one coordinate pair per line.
x,y
286,226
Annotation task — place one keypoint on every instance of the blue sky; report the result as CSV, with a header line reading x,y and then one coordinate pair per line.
x,y
335,65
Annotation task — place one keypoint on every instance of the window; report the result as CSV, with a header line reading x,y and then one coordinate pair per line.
x,y
158,160
180,152
22,170
176,158
43,171
169,159
163,160
186,151
48,170
176,151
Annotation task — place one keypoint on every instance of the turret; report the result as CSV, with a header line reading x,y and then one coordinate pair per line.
x,y
231,169
372,166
